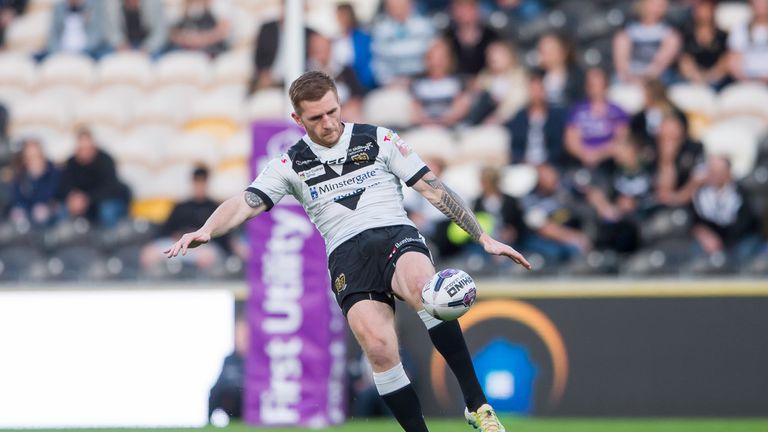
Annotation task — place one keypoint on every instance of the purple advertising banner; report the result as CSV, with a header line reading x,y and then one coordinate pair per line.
x,y
295,369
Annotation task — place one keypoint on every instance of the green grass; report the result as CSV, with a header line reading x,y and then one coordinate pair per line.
x,y
522,425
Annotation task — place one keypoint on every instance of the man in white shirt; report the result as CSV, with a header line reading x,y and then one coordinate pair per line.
x,y
347,177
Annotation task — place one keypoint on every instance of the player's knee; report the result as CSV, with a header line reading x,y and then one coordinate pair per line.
x,y
415,286
381,352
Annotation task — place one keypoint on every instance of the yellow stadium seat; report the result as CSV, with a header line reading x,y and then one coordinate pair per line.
x,y
155,210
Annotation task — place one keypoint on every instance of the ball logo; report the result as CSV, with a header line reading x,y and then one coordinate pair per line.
x,y
469,297
341,283
448,273
458,285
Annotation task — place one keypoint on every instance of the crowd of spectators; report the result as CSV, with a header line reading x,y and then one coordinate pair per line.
x,y
99,27
601,173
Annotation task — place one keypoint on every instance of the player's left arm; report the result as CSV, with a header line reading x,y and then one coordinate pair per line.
x,y
451,204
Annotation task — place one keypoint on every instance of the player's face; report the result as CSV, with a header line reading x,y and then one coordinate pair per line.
x,y
321,119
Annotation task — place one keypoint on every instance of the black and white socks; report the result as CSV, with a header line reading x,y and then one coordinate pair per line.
x,y
449,341
398,393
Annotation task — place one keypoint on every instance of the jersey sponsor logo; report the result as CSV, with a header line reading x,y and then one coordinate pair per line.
x,y
312,173
317,191
360,148
407,240
340,284
357,191
303,162
338,161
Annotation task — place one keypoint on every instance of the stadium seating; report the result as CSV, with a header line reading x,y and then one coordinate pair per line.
x,y
233,67
731,14
629,96
28,33
744,99
159,118
127,68
378,108
518,180
183,67
432,142
485,145
736,140
228,181
41,111
464,179
219,113
68,69
166,106
267,104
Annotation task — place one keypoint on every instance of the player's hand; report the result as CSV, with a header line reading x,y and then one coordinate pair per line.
x,y
188,241
495,247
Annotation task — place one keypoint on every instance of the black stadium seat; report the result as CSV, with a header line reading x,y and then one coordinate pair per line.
x,y
22,263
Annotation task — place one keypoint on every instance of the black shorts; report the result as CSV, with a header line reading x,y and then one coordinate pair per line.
x,y
362,267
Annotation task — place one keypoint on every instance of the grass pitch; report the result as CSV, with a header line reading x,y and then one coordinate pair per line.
x,y
514,424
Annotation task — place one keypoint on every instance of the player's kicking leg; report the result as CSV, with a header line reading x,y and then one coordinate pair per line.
x,y
412,271
373,324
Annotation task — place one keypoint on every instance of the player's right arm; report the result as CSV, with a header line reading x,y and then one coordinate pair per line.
x,y
268,188
227,216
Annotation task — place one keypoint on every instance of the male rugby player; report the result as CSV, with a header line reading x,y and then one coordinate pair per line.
x,y
347,177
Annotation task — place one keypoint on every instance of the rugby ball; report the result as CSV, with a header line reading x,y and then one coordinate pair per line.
x,y
449,294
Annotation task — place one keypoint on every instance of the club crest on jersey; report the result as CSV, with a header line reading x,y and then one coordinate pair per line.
x,y
404,148
312,173
359,158
340,284
313,193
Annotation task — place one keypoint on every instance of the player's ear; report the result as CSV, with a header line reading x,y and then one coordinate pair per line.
x,y
297,119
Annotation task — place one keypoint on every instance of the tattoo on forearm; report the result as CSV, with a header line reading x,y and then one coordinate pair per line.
x,y
253,200
451,204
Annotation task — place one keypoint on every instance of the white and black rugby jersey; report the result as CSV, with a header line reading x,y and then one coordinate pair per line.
x,y
348,188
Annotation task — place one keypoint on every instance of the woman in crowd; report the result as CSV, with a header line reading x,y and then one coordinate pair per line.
x,y
595,125
563,79
679,164
748,46
34,186
645,123
646,48
704,59
501,88
438,96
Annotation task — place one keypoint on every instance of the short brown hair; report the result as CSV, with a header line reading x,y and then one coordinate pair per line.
x,y
310,86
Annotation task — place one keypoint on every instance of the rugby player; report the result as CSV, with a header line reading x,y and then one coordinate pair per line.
x,y
348,179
